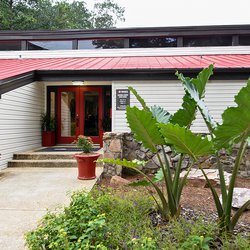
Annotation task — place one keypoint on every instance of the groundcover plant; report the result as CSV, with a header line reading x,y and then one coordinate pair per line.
x,y
155,128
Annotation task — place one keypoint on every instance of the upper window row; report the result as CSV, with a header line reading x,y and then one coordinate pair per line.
x,y
147,42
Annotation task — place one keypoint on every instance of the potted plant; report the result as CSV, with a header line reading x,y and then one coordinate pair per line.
x,y
48,125
86,160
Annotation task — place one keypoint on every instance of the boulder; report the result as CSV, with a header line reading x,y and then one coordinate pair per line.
x,y
240,196
118,181
196,178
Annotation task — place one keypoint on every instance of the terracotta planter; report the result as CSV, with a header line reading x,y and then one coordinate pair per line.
x,y
48,138
86,165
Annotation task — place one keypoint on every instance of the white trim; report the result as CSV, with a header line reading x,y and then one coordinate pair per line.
x,y
126,52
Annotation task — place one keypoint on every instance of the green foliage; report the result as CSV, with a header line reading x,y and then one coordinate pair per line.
x,y
184,141
155,127
236,121
144,127
195,242
109,219
139,99
161,115
94,221
79,226
185,115
51,15
48,123
84,143
143,243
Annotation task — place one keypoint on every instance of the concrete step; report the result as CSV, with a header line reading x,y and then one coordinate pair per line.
x,y
56,163
44,156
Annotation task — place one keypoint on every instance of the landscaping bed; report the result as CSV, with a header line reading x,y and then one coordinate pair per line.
x,y
124,217
196,198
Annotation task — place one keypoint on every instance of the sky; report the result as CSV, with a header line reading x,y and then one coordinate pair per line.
x,y
182,12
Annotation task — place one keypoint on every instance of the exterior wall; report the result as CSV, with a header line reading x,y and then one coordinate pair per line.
x,y
20,127
168,94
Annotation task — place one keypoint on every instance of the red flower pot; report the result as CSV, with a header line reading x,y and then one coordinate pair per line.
x,y
86,165
48,138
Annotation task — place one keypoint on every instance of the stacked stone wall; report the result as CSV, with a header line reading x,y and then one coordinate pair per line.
x,y
124,146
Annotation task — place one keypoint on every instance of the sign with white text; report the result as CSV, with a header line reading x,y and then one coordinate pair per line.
x,y
122,99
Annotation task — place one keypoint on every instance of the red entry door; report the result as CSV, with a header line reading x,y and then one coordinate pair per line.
x,y
79,113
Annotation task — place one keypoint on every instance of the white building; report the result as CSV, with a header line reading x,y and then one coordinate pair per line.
x,y
82,76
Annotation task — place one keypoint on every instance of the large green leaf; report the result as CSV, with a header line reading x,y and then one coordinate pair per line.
x,y
201,80
161,115
139,98
185,141
196,89
186,114
236,121
144,127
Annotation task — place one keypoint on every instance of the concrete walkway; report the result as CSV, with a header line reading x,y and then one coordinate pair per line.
x,y
26,194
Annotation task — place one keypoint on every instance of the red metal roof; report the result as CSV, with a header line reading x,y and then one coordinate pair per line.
x,y
14,67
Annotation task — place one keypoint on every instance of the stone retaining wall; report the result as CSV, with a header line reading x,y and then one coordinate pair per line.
x,y
124,146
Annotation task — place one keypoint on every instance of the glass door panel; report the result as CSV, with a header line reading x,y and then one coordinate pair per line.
x,y
68,114
67,118
91,111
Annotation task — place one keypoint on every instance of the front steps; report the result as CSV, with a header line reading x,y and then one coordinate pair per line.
x,y
54,163
36,159
43,160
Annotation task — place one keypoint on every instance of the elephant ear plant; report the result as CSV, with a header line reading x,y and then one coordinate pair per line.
x,y
156,129
235,129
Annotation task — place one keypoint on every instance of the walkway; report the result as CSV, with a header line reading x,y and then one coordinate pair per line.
x,y
26,193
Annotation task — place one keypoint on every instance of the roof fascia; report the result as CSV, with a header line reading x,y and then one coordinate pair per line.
x,y
15,82
127,32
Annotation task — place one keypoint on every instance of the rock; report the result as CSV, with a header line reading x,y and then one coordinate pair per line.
x,y
196,178
156,160
115,146
176,158
140,154
167,149
151,165
240,196
117,180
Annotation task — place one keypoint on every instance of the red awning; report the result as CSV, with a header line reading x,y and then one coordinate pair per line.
x,y
14,67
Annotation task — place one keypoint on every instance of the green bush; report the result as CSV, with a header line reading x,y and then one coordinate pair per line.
x,y
111,220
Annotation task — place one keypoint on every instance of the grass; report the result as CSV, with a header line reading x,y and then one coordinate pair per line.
x,y
110,219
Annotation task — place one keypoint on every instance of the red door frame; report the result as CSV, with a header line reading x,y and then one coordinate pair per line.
x,y
79,94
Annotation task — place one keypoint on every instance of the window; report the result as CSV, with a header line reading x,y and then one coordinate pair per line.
x,y
101,44
207,41
152,42
244,40
49,45
10,45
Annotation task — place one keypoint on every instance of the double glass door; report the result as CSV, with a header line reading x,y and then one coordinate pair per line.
x,y
79,113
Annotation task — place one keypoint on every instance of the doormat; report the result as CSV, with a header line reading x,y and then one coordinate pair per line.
x,y
63,149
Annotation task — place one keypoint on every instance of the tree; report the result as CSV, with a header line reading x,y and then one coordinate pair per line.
x,y
51,15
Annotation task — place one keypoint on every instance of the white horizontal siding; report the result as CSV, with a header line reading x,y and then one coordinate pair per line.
x,y
20,128
168,94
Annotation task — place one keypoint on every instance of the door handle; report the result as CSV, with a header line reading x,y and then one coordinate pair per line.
x,y
77,120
